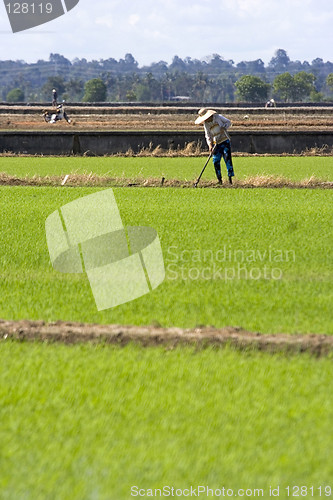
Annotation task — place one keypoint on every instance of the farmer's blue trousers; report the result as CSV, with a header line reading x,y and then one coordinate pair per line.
x,y
223,150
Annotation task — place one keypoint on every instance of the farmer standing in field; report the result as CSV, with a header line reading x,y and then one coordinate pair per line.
x,y
218,140
54,97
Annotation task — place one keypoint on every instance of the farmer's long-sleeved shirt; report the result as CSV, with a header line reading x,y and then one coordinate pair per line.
x,y
216,130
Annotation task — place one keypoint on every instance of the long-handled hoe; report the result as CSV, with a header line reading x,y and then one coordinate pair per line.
x,y
202,171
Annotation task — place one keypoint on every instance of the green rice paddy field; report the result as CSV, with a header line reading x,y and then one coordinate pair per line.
x,y
292,167
89,422
260,259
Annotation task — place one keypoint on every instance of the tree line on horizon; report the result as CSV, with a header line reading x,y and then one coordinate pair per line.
x,y
213,79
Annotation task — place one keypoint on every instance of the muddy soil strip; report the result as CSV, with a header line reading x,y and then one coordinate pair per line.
x,y
92,180
147,336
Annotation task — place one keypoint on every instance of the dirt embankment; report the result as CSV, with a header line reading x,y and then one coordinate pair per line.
x,y
93,180
72,333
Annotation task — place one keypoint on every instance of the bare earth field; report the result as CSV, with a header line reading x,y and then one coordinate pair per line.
x,y
165,118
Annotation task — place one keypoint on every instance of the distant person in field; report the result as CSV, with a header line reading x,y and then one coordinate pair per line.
x,y
270,104
218,140
54,97
60,115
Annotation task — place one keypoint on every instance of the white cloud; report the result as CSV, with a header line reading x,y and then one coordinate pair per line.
x,y
105,21
248,7
133,19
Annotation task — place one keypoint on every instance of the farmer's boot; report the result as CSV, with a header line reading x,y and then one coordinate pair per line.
x,y
217,167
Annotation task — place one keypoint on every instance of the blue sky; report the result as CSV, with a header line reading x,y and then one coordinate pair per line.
x,y
154,30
